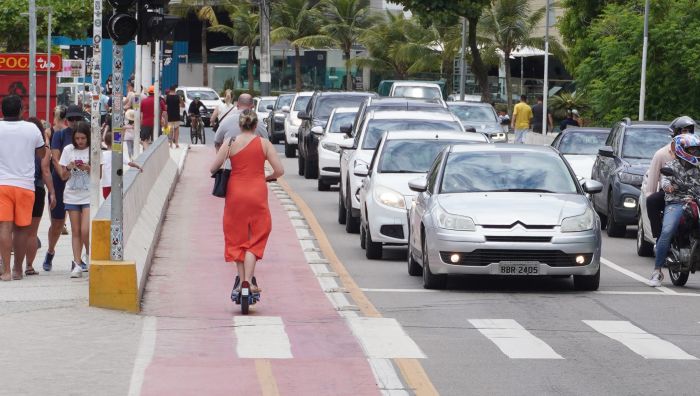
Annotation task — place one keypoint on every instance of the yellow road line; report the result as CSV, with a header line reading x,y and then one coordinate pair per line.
x,y
411,369
267,381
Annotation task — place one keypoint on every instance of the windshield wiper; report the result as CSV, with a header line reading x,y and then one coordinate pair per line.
x,y
521,190
402,171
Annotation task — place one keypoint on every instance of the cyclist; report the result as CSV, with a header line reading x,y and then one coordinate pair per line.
x,y
683,184
193,111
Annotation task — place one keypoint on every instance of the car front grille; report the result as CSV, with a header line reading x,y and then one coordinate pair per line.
x,y
507,238
484,257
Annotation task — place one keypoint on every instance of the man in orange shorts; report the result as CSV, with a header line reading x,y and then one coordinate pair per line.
x,y
21,143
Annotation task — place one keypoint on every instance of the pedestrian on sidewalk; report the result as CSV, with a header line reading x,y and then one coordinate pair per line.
x,y
20,143
247,222
75,171
106,180
537,111
42,181
59,141
522,114
173,102
147,117
221,109
128,130
569,120
229,122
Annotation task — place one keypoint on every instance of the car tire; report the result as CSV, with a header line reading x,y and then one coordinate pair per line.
x,y
323,186
309,169
603,220
430,280
614,229
414,268
301,163
341,208
352,224
289,150
587,282
644,248
373,250
363,244
274,139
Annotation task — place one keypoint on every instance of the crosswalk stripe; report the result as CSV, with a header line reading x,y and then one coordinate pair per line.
x,y
384,338
261,337
639,341
513,339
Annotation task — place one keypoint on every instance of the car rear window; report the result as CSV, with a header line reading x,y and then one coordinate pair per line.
x,y
203,94
340,120
467,113
326,104
418,92
301,103
506,172
582,143
642,143
284,100
376,128
411,155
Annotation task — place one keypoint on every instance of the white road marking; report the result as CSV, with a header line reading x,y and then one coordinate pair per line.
x,y
261,337
401,290
513,339
386,376
613,292
639,341
144,356
384,338
633,275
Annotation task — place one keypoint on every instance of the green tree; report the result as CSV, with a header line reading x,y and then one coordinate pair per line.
x,y
295,21
245,30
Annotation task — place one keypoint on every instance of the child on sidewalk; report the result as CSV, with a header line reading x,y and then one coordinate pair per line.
x,y
106,180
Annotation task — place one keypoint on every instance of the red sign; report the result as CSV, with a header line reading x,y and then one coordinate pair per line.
x,y
20,62
18,84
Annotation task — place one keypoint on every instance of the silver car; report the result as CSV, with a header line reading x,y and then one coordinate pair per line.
x,y
503,210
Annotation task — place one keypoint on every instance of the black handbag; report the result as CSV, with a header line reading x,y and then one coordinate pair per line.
x,y
221,176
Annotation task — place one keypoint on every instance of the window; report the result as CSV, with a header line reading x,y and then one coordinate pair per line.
x,y
301,103
467,113
326,104
284,100
376,128
581,143
418,92
340,120
642,143
410,155
433,173
262,105
203,94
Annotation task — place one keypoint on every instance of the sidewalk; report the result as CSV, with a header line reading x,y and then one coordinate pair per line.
x,y
196,341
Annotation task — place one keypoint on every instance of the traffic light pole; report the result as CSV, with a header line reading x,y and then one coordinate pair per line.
x,y
265,75
117,215
156,93
95,92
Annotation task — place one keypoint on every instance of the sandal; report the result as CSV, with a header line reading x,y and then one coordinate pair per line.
x,y
30,271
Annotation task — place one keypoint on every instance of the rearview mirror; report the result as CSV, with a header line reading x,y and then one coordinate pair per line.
x,y
666,171
346,129
347,144
418,185
606,151
361,170
592,186
285,109
317,130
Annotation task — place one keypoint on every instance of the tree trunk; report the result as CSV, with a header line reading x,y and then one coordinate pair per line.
x,y
205,61
251,64
478,67
297,68
509,86
348,74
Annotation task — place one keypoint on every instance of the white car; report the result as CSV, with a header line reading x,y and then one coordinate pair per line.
x,y
261,107
329,146
359,150
385,196
414,89
580,148
292,123
209,98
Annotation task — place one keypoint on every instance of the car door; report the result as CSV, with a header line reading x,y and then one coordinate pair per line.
x,y
345,158
602,169
418,210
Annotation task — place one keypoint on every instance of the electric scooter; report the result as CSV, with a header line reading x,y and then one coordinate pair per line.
x,y
245,297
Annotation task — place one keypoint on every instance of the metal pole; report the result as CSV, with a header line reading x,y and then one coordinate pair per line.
x,y
643,85
136,104
545,89
117,214
95,92
156,93
265,75
462,61
48,70
32,58
521,76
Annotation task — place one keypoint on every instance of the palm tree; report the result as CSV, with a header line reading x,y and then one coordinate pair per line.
x,y
384,41
295,21
509,24
245,30
205,12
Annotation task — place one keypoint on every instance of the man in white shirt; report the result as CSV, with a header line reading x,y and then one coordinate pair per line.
x,y
228,127
20,143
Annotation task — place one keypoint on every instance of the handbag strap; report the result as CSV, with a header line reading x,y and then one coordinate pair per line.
x,y
228,154
224,116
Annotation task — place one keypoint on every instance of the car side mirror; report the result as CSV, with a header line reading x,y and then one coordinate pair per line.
x,y
347,144
346,129
606,151
418,185
592,186
361,170
317,130
270,107
666,171
303,116
285,109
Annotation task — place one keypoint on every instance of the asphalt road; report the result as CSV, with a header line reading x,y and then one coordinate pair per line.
x,y
549,350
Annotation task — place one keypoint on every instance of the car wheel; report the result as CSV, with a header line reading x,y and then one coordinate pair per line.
x,y
352,224
289,150
603,220
301,163
341,207
644,248
587,282
431,281
363,245
323,186
373,249
309,169
414,268
615,230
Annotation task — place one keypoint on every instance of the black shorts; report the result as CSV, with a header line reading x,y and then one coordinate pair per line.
x,y
59,212
39,196
146,133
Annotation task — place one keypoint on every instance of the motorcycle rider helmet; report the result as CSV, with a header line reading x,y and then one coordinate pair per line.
x,y
686,147
679,124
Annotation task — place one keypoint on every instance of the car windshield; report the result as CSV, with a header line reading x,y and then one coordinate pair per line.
x,y
326,104
506,171
467,113
284,100
375,128
301,103
410,155
262,106
340,120
203,95
642,143
582,143
418,92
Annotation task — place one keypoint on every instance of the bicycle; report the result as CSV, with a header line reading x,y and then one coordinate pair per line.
x,y
197,130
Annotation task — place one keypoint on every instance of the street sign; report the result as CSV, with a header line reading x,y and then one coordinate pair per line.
x,y
20,62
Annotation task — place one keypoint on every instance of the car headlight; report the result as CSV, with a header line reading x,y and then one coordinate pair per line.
x,y
334,147
582,222
389,197
450,221
631,178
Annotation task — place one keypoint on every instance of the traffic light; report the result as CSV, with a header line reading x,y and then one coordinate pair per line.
x,y
122,25
153,25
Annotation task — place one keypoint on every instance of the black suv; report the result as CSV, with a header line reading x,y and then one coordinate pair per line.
x,y
620,166
313,122
275,121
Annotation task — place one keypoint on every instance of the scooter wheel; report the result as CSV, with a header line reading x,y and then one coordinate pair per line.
x,y
245,297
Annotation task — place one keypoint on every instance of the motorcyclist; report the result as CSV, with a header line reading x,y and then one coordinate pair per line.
x,y
684,184
654,197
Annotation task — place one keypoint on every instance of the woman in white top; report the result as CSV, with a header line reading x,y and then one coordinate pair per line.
x,y
223,108
75,170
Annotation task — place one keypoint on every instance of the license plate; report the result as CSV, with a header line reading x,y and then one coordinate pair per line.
x,y
518,269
